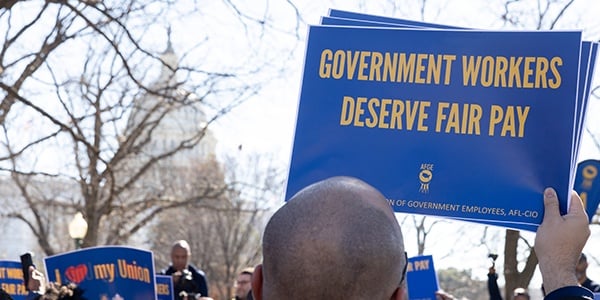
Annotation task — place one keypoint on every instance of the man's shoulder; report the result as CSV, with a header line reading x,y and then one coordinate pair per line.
x,y
594,286
196,271
167,271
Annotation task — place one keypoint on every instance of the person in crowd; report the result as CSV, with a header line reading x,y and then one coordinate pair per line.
x,y
558,244
581,271
335,239
243,285
62,292
43,290
189,282
518,293
4,295
339,239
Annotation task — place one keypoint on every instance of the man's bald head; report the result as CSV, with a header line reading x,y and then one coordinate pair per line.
x,y
180,255
335,239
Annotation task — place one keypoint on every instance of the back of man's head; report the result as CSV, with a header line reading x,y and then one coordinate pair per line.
x,y
336,239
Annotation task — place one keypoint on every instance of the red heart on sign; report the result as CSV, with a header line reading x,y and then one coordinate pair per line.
x,y
76,274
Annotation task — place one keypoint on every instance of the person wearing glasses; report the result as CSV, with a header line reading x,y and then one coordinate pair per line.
x,y
243,285
339,239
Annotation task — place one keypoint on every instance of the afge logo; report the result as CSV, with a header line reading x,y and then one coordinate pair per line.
x,y
425,176
588,173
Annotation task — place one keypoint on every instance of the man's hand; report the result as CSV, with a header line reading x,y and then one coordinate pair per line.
x,y
441,295
559,241
36,282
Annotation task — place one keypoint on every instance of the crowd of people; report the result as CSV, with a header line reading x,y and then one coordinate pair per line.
x,y
339,239
351,247
190,283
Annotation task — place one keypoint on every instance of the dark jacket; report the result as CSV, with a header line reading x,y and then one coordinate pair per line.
x,y
196,283
591,285
570,293
493,288
4,295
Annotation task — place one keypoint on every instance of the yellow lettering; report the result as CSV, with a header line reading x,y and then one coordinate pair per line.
x,y
434,69
384,113
325,65
509,122
527,72
359,111
440,115
422,115
470,70
372,105
338,64
422,265
475,114
352,60
162,289
496,115
389,66
513,119
363,65
411,109
57,275
465,121
522,117
448,59
376,62
555,62
14,273
407,67
133,271
583,196
105,271
9,288
514,75
397,112
347,109
487,71
420,68
501,68
453,119
541,68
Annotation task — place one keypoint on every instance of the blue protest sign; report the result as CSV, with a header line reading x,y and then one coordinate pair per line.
x,y
164,287
11,279
422,281
587,185
425,123
587,58
111,272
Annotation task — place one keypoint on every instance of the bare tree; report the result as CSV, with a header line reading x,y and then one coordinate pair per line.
x,y
546,15
92,103
514,277
224,236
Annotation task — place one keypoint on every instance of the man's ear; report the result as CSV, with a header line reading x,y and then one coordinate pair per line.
x,y
257,282
399,294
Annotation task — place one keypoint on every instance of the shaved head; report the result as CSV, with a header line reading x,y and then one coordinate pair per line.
x,y
335,239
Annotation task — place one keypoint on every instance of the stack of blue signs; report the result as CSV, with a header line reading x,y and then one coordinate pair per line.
x,y
444,121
